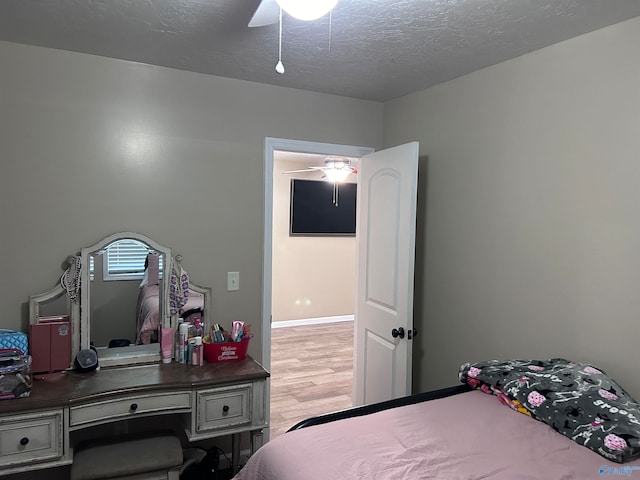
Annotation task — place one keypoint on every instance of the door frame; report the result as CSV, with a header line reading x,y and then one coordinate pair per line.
x,y
271,145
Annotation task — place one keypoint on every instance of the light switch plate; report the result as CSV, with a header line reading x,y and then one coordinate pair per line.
x,y
233,281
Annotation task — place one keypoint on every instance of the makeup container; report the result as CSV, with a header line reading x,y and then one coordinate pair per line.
x,y
183,340
197,355
166,344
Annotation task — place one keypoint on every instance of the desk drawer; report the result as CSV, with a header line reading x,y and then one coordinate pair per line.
x,y
31,438
128,407
225,407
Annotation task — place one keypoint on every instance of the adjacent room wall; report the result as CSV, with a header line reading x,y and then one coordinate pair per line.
x,y
312,276
529,220
90,146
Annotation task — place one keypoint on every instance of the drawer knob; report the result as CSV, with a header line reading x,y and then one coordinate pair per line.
x,y
225,408
133,407
24,441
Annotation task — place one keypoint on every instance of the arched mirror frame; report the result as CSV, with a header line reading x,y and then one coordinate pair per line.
x,y
80,317
119,356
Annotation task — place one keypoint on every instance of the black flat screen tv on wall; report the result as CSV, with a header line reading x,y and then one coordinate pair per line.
x,y
313,211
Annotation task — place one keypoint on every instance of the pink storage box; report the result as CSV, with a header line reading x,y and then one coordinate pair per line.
x,y
50,342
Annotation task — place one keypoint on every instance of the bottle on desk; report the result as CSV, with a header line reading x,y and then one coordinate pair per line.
x,y
198,328
183,339
176,347
197,357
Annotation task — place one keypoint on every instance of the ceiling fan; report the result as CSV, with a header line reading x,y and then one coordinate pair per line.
x,y
268,11
335,169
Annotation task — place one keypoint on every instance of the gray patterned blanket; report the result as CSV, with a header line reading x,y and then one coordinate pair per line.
x,y
577,400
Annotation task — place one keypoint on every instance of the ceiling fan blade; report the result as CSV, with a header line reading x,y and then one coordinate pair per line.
x,y
300,171
267,13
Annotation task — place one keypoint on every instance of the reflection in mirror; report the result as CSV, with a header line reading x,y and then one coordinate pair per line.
x,y
123,303
125,296
135,287
55,307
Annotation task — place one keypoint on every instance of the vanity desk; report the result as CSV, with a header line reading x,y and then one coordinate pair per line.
x,y
127,289
213,400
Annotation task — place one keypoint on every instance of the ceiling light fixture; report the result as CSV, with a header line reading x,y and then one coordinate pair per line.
x,y
307,9
337,169
335,175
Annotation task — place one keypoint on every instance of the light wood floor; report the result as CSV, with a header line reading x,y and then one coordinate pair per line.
x,y
311,372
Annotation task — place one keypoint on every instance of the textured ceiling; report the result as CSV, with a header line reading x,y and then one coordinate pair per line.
x,y
379,49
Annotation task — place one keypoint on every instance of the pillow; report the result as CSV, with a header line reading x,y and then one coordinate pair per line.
x,y
145,278
153,262
577,400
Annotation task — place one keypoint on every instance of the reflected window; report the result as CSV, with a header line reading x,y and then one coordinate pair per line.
x,y
124,260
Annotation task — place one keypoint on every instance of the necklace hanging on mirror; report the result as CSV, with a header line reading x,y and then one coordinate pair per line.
x,y
70,279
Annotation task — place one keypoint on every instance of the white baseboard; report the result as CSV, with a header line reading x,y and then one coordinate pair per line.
x,y
311,321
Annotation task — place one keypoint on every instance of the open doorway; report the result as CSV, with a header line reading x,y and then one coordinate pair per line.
x,y
312,355
313,293
387,190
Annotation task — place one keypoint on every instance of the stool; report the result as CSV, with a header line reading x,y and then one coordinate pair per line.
x,y
130,458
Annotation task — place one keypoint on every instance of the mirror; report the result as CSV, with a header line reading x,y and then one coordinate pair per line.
x,y
126,298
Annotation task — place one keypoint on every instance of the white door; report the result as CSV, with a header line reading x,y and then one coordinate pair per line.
x,y
387,189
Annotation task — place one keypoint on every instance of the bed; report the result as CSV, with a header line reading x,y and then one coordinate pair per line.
x,y
457,433
147,314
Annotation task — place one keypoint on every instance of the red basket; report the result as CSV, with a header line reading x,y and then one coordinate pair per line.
x,y
226,352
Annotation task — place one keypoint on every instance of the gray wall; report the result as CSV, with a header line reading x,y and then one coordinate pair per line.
x,y
529,223
90,146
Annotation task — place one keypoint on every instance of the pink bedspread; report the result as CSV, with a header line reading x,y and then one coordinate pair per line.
x,y
148,313
469,436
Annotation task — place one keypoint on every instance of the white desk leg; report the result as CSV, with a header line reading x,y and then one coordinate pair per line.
x,y
257,440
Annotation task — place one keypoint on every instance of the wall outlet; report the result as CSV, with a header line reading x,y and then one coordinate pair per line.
x,y
233,281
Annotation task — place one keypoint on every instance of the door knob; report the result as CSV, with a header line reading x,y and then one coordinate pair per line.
x,y
397,332
412,333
